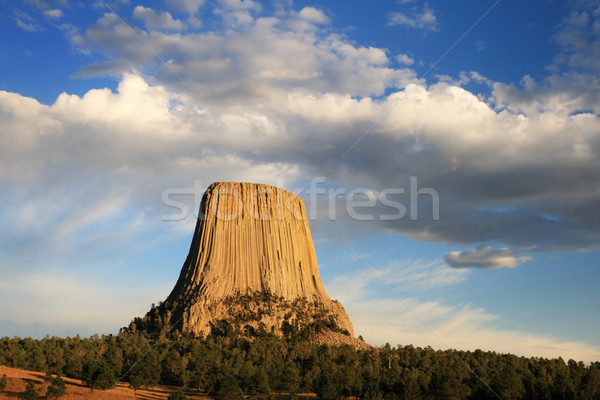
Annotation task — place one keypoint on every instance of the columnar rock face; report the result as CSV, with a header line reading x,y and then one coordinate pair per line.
x,y
251,239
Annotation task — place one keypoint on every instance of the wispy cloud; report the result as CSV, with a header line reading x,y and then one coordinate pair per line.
x,y
81,303
461,327
47,4
381,317
26,21
189,6
425,19
413,276
567,89
55,13
480,45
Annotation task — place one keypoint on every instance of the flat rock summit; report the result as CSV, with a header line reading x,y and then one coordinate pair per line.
x,y
252,268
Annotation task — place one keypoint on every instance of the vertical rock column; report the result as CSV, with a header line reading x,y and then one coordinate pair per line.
x,y
250,238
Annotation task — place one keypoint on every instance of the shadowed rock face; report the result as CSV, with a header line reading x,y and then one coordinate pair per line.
x,y
250,238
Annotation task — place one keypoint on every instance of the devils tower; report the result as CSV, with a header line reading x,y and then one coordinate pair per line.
x,y
252,267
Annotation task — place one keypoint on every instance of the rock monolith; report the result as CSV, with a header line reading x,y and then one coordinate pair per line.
x,y
252,266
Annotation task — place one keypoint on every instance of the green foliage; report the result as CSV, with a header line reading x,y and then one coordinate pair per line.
x,y
30,392
222,327
56,389
259,383
327,388
227,388
3,382
178,395
98,376
199,371
147,370
229,367
90,372
291,379
301,318
106,378
135,381
509,384
174,369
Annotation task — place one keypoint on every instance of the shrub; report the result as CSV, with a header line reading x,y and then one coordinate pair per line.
x,y
57,388
178,395
30,392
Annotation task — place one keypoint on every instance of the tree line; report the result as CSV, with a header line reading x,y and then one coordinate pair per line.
x,y
228,367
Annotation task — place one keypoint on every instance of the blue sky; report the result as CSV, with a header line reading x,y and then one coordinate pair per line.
x,y
494,105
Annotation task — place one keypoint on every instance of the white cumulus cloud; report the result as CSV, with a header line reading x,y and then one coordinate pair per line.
x,y
313,15
405,59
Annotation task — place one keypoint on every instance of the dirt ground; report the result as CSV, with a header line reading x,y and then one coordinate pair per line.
x,y
18,378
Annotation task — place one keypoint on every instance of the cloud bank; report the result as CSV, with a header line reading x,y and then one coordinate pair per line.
x,y
518,169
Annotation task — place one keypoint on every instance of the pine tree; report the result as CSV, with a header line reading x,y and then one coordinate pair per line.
x,y
98,376
31,392
174,369
106,378
260,381
148,370
135,381
57,388
227,388
90,372
291,379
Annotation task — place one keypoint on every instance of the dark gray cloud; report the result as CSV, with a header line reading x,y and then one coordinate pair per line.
x,y
484,257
